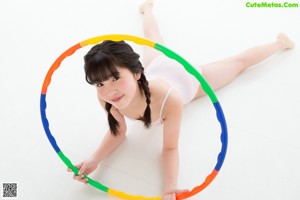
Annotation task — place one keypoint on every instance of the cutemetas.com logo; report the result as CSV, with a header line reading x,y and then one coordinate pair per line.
x,y
271,5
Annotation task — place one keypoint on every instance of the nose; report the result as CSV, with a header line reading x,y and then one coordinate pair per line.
x,y
107,91
111,93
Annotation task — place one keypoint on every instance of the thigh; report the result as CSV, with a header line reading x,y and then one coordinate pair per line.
x,y
220,73
149,55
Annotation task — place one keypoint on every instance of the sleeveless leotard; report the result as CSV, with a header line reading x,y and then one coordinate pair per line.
x,y
175,75
160,120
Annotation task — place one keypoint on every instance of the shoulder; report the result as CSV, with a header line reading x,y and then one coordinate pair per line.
x,y
171,115
173,106
173,101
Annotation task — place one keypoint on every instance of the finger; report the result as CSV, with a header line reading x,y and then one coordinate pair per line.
x,y
169,196
78,166
82,169
182,191
79,177
76,177
85,181
173,196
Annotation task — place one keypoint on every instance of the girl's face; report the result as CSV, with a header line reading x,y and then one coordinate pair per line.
x,y
119,91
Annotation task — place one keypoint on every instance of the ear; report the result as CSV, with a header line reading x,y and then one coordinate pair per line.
x,y
137,76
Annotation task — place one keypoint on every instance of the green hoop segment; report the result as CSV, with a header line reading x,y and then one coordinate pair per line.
x,y
167,52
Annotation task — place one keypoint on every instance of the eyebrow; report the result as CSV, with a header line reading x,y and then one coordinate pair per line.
x,y
113,75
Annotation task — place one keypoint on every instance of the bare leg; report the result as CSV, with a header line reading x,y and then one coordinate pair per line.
x,y
151,31
220,73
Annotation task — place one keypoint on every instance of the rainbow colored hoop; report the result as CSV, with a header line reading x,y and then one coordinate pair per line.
x,y
167,52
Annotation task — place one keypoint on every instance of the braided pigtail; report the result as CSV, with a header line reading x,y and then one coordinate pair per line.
x,y
102,62
113,123
145,86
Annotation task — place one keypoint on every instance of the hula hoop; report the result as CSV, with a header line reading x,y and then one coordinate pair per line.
x,y
167,52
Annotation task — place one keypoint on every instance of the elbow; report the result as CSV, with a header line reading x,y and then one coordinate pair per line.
x,y
169,149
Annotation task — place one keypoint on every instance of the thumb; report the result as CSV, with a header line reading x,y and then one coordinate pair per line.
x,y
81,166
78,166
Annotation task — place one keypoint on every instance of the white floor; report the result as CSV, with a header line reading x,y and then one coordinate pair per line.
x,y
261,106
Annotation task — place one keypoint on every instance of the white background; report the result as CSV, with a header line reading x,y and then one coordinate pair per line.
x,y
261,105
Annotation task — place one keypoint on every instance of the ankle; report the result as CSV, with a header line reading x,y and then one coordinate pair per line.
x,y
285,42
146,7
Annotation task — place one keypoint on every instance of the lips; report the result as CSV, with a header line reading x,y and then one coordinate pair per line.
x,y
117,99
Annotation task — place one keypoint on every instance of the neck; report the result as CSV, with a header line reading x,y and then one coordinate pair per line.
x,y
138,103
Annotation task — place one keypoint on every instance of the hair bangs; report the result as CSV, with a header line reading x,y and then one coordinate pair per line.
x,y
100,69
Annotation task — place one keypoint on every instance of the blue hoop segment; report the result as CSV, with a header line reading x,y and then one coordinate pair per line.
x,y
167,52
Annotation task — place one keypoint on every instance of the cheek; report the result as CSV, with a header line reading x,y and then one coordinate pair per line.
x,y
101,93
126,86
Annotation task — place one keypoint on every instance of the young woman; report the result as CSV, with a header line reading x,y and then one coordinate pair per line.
x,y
155,92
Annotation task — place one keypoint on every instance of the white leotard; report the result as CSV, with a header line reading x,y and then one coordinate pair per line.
x,y
160,120
175,75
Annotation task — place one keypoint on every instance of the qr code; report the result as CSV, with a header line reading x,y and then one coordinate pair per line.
x,y
9,190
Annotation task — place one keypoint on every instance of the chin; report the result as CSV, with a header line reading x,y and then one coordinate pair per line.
x,y
120,105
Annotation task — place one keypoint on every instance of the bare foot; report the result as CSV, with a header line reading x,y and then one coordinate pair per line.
x,y
285,41
146,4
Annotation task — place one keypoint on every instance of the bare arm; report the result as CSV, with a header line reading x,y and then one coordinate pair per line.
x,y
111,142
108,144
170,155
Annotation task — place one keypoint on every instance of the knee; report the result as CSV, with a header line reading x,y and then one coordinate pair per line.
x,y
241,61
153,36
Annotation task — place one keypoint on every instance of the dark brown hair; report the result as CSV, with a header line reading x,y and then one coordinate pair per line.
x,y
100,64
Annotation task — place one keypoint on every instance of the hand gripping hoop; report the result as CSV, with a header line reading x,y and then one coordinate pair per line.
x,y
188,67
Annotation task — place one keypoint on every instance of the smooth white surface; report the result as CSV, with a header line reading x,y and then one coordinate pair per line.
x,y
261,106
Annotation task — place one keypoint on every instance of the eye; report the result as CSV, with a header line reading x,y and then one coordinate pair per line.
x,y
99,84
115,78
